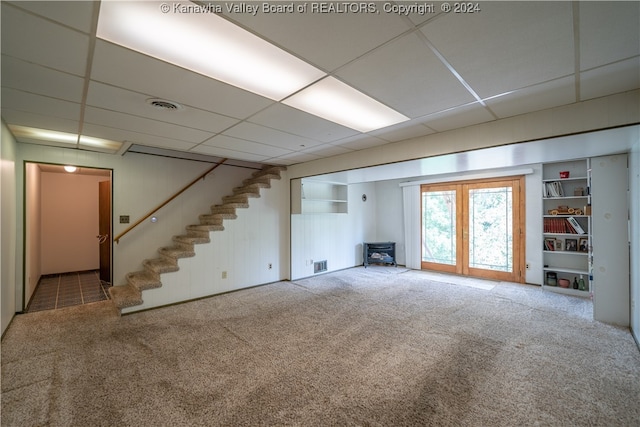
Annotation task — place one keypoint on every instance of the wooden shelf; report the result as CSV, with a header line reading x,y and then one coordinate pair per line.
x,y
318,197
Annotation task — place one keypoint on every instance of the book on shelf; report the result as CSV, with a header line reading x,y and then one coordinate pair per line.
x,y
553,189
562,226
575,225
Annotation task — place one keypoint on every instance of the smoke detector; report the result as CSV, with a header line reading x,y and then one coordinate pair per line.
x,y
163,104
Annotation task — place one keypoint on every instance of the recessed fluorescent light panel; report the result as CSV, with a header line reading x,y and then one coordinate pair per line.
x,y
338,102
193,37
29,134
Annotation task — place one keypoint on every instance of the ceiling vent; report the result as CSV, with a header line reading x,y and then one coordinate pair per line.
x,y
163,104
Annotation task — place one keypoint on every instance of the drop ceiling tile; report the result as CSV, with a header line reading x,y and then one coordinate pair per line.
x,y
402,131
330,39
508,45
462,116
613,78
230,154
535,98
121,135
129,102
33,78
39,41
265,135
360,142
408,77
291,120
609,32
127,69
39,121
98,116
244,146
293,158
327,150
76,14
36,104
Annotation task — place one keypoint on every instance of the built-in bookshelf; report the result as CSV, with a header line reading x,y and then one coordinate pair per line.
x,y
313,197
567,229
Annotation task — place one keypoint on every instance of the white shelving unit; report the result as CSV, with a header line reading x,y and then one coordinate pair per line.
x,y
568,254
314,197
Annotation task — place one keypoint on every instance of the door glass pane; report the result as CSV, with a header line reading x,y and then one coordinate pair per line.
x,y
490,229
439,227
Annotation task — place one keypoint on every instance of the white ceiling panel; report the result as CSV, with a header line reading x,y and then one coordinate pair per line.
x,y
327,150
608,32
40,121
402,131
291,120
538,97
264,135
360,142
30,103
33,78
37,40
75,14
327,40
466,115
408,77
508,45
617,77
292,158
98,116
231,154
517,57
244,146
124,68
129,102
121,135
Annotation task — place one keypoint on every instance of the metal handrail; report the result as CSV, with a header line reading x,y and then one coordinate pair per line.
x,y
160,206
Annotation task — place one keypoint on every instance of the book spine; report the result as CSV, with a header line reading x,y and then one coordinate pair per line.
x,y
575,225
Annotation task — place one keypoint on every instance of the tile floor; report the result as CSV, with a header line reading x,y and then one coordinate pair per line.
x,y
68,289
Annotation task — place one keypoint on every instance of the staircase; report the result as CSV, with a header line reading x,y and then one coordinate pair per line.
x,y
130,294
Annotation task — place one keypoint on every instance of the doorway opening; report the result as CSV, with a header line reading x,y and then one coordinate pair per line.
x,y
474,228
67,234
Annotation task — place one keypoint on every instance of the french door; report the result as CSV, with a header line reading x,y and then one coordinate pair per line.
x,y
474,228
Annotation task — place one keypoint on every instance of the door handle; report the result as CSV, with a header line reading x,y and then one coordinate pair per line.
x,y
102,238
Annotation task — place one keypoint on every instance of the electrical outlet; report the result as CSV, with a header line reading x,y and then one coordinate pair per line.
x,y
124,219
527,266
270,266
224,274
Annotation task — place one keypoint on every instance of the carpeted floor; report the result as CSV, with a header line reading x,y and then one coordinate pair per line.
x,y
380,346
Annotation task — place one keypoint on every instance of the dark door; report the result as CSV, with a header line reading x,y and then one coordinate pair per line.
x,y
104,229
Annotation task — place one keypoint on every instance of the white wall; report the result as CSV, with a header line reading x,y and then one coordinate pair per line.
x,y
8,229
140,183
610,239
33,235
389,215
634,215
335,237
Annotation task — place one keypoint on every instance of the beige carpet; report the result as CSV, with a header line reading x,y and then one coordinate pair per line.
x,y
376,346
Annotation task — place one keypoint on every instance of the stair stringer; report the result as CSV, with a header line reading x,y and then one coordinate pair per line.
x,y
244,249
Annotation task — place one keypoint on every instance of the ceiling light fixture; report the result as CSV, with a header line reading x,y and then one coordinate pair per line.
x,y
70,169
338,102
205,43
194,37
29,134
